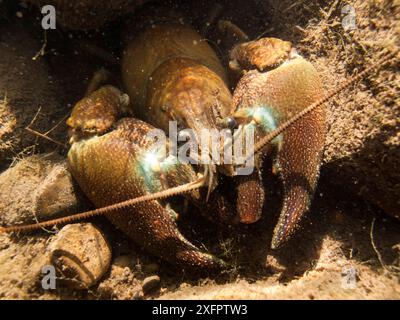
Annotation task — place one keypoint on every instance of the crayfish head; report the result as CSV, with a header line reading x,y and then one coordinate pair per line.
x,y
97,113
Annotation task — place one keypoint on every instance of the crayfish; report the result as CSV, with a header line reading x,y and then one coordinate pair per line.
x,y
171,74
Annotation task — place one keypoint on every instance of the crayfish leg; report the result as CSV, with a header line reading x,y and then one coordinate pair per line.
x,y
250,197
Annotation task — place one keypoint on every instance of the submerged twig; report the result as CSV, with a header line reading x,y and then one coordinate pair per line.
x,y
378,254
41,135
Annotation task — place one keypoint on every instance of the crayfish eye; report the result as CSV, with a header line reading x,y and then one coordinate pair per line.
x,y
231,122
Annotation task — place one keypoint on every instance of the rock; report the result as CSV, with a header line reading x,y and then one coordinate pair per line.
x,y
56,193
80,254
38,188
151,284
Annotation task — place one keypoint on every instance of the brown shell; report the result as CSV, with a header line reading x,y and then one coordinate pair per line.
x,y
171,73
81,255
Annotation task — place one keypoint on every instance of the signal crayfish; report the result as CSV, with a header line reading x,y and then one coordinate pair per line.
x,y
171,74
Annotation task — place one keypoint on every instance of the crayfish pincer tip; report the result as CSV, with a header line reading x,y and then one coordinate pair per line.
x,y
275,244
281,236
200,262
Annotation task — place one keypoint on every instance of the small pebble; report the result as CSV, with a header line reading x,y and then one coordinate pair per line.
x,y
150,284
38,188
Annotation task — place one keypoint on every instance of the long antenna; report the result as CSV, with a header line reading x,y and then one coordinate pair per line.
x,y
202,180
108,209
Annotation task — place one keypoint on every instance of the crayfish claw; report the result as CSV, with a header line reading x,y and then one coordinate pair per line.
x,y
278,86
250,197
